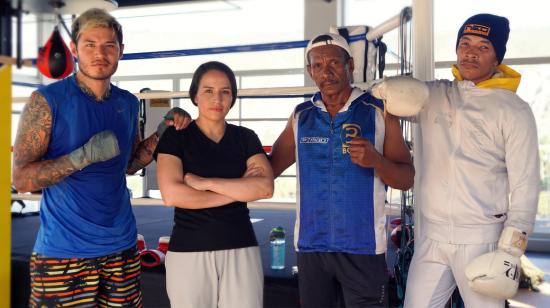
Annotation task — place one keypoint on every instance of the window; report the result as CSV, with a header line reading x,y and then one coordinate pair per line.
x,y
372,13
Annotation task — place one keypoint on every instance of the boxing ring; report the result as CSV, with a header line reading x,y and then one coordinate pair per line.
x,y
367,49
154,220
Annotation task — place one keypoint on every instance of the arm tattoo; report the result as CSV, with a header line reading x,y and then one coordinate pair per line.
x,y
30,172
142,154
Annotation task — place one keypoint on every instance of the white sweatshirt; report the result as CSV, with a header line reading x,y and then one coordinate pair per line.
x,y
477,160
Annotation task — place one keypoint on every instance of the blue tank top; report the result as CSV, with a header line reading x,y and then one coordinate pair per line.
x,y
88,214
340,204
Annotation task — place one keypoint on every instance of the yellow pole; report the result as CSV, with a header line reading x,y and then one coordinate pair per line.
x,y
5,184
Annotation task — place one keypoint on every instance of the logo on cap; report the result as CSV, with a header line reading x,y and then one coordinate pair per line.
x,y
476,29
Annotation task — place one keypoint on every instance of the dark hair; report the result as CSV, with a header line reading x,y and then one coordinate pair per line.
x,y
212,66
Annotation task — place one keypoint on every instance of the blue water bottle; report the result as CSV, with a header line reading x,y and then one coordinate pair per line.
x,y
277,247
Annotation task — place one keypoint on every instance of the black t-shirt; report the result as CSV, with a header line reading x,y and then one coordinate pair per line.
x,y
224,227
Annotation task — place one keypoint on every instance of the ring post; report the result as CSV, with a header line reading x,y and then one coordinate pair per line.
x,y
5,184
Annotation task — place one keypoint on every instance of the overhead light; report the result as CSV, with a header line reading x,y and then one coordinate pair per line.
x,y
65,6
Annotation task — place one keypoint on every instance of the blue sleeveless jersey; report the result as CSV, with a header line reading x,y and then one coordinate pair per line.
x,y
340,204
88,214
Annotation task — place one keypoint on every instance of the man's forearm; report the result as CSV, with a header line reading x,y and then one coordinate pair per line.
x,y
397,175
143,155
41,174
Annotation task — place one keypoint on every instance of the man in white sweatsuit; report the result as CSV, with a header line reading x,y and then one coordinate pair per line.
x,y
478,183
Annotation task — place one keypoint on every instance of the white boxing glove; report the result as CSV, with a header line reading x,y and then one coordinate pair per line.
x,y
404,96
496,274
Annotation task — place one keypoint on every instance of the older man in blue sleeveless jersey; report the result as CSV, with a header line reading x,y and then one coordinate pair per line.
x,y
346,149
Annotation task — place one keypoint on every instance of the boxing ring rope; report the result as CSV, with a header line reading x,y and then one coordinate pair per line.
x,y
273,92
374,33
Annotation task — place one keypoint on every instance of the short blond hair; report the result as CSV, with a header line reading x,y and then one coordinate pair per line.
x,y
94,18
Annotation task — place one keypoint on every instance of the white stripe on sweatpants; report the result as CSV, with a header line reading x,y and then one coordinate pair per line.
x,y
437,268
230,278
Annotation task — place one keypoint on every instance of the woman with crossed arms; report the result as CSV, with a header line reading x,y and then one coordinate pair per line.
x,y
209,171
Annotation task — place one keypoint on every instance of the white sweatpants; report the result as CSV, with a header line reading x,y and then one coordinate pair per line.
x,y
224,278
437,268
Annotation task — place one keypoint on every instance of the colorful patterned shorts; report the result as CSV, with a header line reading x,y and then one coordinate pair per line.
x,y
109,281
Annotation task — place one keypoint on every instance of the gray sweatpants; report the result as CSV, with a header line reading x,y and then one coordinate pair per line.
x,y
223,278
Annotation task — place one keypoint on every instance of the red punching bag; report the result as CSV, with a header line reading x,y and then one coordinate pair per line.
x,y
54,59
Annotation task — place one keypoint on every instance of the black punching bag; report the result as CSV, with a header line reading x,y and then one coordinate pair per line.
x,y
55,59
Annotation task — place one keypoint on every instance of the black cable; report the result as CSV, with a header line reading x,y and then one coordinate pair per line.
x,y
142,120
62,22
19,17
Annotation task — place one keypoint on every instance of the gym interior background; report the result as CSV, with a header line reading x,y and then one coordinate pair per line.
x,y
180,25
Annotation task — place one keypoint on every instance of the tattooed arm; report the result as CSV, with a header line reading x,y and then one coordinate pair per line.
x,y
142,153
30,173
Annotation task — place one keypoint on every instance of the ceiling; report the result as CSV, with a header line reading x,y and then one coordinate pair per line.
x,y
78,6
126,3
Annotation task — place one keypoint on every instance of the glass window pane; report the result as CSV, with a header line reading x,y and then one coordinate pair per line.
x,y
146,30
269,107
527,26
261,60
285,189
293,80
372,13
137,85
29,46
444,73
18,91
267,131
535,90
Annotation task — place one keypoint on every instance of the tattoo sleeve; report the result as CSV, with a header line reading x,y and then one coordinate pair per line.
x,y
30,172
142,154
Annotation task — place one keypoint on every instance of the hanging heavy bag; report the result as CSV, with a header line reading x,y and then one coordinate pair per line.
x,y
54,58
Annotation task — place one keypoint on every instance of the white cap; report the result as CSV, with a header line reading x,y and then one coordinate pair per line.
x,y
327,39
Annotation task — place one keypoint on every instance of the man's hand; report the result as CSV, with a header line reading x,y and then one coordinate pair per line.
x,y
363,153
195,181
176,117
101,147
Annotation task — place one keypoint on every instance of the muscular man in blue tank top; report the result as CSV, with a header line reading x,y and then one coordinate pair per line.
x,y
346,150
77,139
